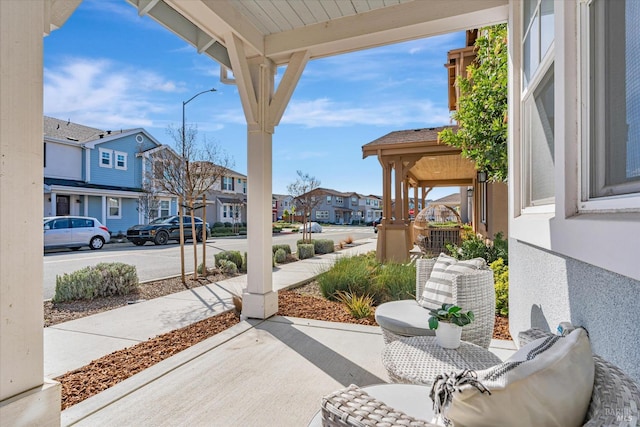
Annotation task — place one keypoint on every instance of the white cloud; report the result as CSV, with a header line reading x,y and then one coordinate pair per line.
x,y
324,112
101,93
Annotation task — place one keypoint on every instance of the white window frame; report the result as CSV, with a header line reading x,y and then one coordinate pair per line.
x,y
588,204
322,215
227,181
161,209
102,151
339,200
118,215
329,200
546,64
115,160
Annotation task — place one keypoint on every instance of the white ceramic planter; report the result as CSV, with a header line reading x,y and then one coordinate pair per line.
x,y
448,335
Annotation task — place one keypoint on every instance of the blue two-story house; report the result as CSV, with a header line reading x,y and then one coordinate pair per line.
x,y
100,173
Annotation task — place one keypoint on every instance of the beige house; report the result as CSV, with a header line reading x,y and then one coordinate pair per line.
x,y
574,180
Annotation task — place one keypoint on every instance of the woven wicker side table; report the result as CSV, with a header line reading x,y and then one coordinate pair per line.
x,y
418,360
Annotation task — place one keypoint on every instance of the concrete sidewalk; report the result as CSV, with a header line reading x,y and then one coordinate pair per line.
x,y
71,345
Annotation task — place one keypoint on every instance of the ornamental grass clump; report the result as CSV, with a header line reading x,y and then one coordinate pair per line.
x,y
360,306
395,282
349,274
101,280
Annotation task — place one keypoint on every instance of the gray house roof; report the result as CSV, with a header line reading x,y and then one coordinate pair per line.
x,y
66,130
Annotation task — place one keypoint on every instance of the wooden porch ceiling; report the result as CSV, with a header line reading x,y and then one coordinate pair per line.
x,y
436,164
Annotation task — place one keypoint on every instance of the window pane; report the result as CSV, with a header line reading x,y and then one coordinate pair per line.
x,y
531,50
615,109
539,142
546,26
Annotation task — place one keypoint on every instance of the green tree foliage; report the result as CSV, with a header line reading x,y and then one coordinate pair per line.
x,y
482,106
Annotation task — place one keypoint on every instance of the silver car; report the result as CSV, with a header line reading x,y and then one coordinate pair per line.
x,y
74,232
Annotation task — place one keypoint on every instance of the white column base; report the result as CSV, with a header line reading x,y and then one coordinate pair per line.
x,y
259,306
39,406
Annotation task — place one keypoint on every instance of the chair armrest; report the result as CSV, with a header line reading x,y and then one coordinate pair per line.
x,y
354,407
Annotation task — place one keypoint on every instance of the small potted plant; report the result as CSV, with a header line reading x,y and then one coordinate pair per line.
x,y
448,322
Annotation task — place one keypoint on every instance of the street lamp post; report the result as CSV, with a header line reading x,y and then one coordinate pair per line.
x,y
181,201
184,104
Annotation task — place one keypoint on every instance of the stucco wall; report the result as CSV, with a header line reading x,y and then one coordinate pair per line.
x,y
546,289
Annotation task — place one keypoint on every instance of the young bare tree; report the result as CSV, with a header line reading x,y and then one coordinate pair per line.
x,y
306,196
148,202
189,175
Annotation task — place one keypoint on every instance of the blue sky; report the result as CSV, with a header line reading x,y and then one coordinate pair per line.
x,y
111,69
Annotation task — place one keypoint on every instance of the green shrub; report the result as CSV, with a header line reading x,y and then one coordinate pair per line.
x,y
360,306
276,229
280,256
475,246
395,282
285,247
323,246
221,231
352,274
101,280
501,279
305,250
233,256
228,266
228,224
217,224
200,269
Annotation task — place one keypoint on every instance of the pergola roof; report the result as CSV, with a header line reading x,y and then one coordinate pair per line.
x,y
278,28
436,164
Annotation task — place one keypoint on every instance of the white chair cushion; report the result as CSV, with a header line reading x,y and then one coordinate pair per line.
x,y
437,290
548,382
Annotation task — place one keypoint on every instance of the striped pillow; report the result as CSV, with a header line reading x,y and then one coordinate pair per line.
x,y
438,289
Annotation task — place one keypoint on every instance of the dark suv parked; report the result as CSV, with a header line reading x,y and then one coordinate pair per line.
x,y
161,230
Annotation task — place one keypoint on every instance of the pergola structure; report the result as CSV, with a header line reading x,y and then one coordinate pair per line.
x,y
250,38
412,159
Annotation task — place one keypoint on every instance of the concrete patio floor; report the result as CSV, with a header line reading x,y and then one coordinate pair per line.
x,y
270,372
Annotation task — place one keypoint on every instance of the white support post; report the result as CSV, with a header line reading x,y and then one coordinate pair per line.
x,y
26,398
54,204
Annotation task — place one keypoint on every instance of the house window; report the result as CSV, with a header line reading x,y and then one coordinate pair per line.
x,y
226,211
354,201
322,215
105,157
121,160
537,100
368,202
164,207
227,183
339,200
113,208
328,200
612,125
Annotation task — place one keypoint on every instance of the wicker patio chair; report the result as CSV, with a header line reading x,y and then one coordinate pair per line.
x,y
615,400
474,291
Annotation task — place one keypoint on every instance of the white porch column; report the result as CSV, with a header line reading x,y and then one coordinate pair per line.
x,y
263,108
26,398
259,300
103,210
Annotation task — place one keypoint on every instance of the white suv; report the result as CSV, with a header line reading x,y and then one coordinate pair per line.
x,y
74,232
